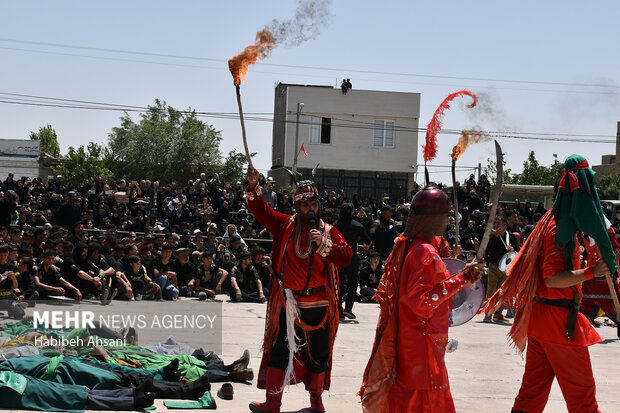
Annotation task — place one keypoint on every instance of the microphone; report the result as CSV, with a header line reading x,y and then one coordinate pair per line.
x,y
312,219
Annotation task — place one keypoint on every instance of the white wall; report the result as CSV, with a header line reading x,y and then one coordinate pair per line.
x,y
351,148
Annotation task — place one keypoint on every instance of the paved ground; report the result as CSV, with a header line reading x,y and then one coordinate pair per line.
x,y
485,373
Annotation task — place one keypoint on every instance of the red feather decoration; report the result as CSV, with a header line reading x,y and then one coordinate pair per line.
x,y
430,149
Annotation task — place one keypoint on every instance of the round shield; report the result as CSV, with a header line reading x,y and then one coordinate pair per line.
x,y
466,302
506,260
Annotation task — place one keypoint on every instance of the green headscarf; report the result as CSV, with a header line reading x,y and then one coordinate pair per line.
x,y
578,208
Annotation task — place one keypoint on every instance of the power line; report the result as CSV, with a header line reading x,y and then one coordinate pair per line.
x,y
33,100
323,68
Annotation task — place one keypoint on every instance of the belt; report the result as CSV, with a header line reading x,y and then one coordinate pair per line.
x,y
558,302
308,291
572,306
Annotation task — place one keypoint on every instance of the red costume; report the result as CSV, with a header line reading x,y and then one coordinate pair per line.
x,y
406,371
550,353
314,290
548,319
596,292
421,383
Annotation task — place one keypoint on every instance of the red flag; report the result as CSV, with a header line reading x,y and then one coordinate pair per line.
x,y
303,150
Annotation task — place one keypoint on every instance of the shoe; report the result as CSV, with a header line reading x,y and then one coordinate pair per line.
x,y
132,336
349,314
226,392
275,379
510,313
245,375
112,296
500,317
33,299
104,297
139,297
315,388
342,318
243,362
487,319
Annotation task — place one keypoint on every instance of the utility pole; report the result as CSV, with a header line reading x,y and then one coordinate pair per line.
x,y
618,156
300,105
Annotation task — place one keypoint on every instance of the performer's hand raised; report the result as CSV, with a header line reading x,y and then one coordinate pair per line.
x,y
252,176
601,269
473,272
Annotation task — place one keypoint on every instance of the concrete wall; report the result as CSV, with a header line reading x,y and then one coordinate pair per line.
x,y
353,116
20,166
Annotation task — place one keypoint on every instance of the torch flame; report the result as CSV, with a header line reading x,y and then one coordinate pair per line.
x,y
467,138
262,47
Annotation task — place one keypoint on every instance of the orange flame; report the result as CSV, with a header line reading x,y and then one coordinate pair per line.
x,y
467,138
262,47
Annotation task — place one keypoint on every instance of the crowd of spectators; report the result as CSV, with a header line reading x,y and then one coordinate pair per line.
x,y
145,240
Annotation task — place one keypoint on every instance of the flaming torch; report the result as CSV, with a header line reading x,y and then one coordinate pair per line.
x,y
238,66
468,137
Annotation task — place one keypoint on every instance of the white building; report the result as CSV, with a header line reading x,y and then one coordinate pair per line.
x,y
365,141
23,157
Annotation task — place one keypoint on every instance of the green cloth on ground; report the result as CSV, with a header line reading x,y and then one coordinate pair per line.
x,y
13,381
45,396
50,372
68,371
205,402
190,367
158,374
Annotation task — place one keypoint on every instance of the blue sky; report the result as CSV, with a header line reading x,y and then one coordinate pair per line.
x,y
558,62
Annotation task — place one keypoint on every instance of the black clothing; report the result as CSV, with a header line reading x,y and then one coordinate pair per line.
x,y
497,248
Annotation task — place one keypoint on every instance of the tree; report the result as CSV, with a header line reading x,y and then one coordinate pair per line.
x,y
491,171
166,145
233,168
536,174
607,185
83,165
49,140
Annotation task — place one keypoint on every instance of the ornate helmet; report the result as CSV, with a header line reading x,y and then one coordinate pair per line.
x,y
306,191
430,201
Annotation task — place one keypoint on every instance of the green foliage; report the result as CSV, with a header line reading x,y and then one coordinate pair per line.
x,y
49,140
536,174
82,165
491,171
165,145
607,185
234,166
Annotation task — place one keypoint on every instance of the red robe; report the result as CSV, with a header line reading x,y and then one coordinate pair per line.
x,y
324,273
550,353
416,364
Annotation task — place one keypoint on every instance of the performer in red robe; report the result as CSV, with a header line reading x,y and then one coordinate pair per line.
x,y
546,279
406,371
303,305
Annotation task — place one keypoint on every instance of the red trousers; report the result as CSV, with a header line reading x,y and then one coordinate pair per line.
x,y
571,366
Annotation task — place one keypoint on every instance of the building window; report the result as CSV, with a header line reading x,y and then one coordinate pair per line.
x,y
320,129
383,134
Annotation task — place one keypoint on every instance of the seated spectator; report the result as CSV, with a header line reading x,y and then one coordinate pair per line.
x,y
49,282
165,274
245,282
210,278
8,284
26,289
262,263
143,286
186,273
370,276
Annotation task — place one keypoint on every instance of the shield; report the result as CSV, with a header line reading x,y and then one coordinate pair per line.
x,y
506,260
466,302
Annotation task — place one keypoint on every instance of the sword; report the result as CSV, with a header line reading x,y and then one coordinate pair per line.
x,y
494,201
